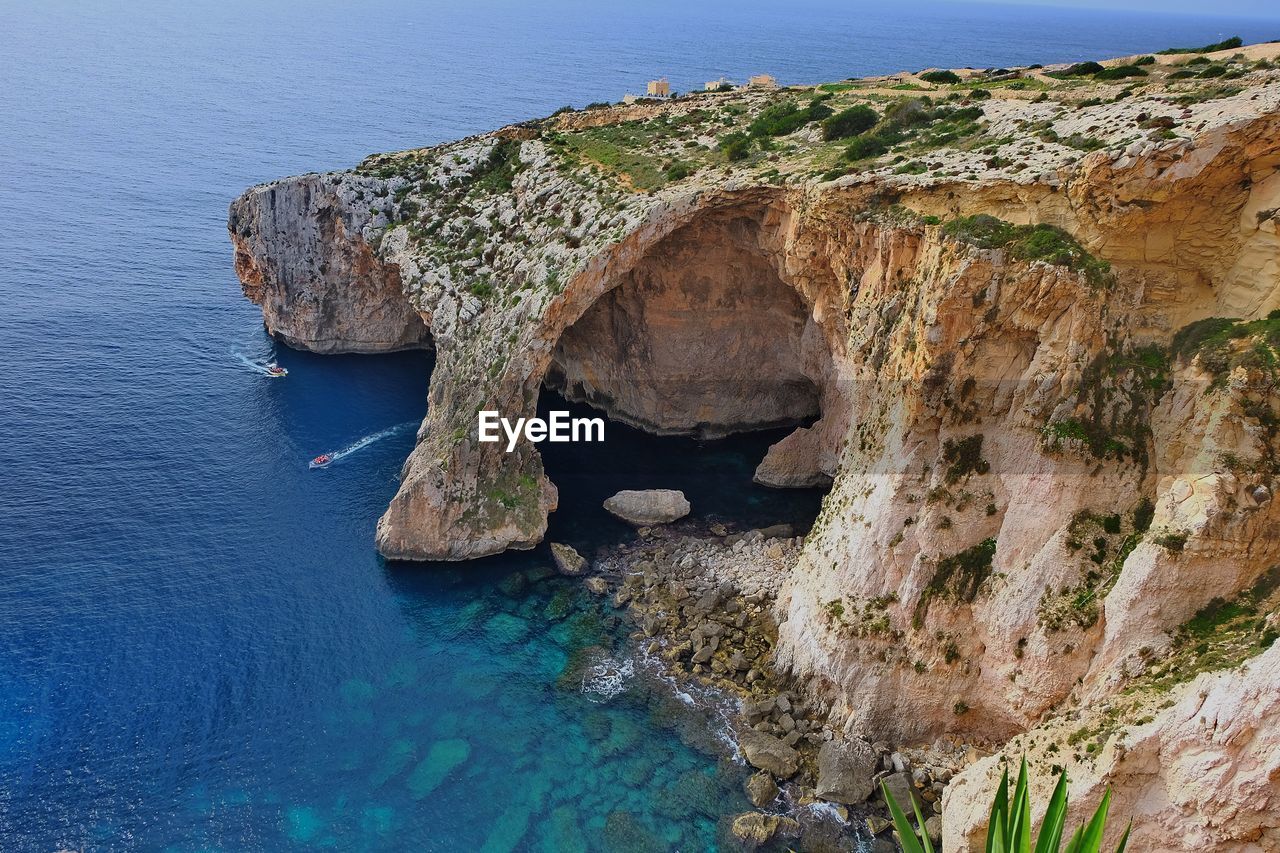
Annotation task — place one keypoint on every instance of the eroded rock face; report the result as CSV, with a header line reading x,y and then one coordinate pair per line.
x,y
301,254
1202,774
639,354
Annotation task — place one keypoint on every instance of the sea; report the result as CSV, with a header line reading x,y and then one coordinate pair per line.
x,y
200,649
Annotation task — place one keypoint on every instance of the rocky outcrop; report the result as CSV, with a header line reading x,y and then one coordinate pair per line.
x,y
568,561
649,506
1202,773
1045,459
769,754
302,254
845,771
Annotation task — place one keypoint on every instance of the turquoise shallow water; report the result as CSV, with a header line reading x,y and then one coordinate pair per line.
x,y
199,649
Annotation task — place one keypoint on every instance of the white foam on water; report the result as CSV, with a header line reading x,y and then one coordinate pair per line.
x,y
258,367
827,811
607,678
719,706
362,443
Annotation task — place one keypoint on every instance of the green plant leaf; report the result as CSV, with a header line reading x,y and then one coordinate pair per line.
x,y
924,836
1124,839
1019,840
1073,846
998,820
1091,841
906,835
1055,818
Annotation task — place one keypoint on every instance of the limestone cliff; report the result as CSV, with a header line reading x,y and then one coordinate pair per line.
x,y
991,315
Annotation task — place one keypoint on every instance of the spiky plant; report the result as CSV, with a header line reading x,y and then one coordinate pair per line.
x,y
1009,827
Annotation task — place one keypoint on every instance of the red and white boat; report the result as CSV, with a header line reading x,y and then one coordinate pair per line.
x,y
321,461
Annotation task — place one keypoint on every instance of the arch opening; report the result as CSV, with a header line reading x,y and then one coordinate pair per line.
x,y
701,337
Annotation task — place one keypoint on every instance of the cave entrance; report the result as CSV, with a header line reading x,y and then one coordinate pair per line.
x,y
712,370
701,337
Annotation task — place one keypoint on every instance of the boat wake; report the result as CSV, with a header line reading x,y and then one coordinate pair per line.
x,y
324,460
267,368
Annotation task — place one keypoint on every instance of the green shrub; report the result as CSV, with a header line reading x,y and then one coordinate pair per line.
x,y
850,122
498,171
1143,514
865,146
909,112
963,457
940,77
980,94
981,230
677,171
1145,60
1080,69
1226,44
1009,823
1119,72
735,146
786,117
1213,71
1213,339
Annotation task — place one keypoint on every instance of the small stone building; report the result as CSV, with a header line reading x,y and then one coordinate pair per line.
x,y
659,88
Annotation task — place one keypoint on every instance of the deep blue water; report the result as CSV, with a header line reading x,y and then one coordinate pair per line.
x,y
199,649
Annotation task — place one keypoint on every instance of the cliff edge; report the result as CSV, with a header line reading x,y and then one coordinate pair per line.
x,y
1026,326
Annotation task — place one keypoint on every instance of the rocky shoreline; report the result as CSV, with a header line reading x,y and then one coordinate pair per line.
x,y
701,599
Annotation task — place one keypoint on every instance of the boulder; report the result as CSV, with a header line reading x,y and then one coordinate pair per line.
x,y
597,586
899,785
648,507
568,561
761,789
845,771
766,752
933,828
756,828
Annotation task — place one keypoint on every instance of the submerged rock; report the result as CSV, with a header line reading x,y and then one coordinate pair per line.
x,y
648,507
845,771
568,561
441,760
768,753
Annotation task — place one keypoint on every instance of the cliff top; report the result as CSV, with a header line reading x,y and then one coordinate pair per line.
x,y
936,125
